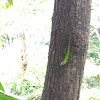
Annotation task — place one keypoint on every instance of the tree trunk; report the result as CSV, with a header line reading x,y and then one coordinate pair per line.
x,y
71,20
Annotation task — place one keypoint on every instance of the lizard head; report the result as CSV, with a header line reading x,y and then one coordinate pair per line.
x,y
62,63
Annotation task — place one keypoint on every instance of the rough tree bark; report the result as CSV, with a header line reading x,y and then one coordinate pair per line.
x,y
71,20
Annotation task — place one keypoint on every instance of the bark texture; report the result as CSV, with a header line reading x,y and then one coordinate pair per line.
x,y
71,20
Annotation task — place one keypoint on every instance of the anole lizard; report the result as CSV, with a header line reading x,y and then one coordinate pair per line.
x,y
67,55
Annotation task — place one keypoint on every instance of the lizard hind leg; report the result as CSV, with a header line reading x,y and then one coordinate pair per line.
x,y
65,51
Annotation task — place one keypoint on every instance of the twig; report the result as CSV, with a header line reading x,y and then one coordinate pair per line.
x,y
96,31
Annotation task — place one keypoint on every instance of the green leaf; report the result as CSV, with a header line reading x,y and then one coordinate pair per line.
x,y
6,97
1,87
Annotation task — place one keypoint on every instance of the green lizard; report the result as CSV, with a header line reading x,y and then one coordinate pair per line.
x,y
67,55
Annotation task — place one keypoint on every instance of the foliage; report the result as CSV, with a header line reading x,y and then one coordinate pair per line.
x,y
91,82
7,4
6,39
92,98
27,86
1,87
90,87
4,96
94,47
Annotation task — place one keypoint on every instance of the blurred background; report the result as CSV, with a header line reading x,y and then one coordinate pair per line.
x,y
25,28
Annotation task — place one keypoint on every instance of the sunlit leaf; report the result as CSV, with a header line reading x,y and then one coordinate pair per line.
x,y
1,87
3,96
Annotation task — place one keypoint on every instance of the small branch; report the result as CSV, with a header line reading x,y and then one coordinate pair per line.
x,y
95,46
96,31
